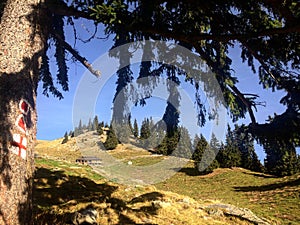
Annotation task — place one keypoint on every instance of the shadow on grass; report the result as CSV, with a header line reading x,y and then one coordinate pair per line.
x,y
259,174
191,171
269,187
147,197
54,189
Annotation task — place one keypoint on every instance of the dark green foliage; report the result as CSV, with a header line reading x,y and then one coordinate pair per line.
x,y
150,134
145,129
245,143
79,130
135,129
46,78
156,138
90,125
111,141
100,128
71,133
230,155
281,159
169,143
66,138
171,115
200,144
60,52
184,147
121,114
266,31
239,151
95,123
57,38
204,154
122,131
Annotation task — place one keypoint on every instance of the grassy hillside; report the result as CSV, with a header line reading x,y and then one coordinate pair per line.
x,y
277,199
62,187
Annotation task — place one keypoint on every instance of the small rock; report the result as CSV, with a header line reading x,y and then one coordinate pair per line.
x,y
215,212
186,200
86,216
161,204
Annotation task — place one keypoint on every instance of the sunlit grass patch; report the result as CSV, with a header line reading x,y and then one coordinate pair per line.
x,y
277,199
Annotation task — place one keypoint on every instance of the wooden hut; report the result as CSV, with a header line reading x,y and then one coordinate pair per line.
x,y
89,160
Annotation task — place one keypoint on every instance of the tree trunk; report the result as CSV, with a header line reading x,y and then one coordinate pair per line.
x,y
21,45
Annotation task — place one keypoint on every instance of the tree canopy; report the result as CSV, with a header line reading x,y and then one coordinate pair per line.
x,y
266,31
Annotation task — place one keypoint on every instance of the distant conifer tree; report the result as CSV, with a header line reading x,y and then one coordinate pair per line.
x,y
100,128
95,123
111,141
184,148
229,154
281,159
145,129
90,125
245,143
205,154
135,129
66,138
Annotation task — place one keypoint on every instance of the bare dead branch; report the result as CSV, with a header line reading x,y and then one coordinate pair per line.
x,y
81,59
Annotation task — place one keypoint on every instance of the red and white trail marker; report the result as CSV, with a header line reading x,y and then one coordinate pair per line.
x,y
19,142
19,145
24,106
21,124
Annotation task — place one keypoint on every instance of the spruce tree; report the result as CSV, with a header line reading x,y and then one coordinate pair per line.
x,y
157,138
100,128
145,133
145,129
111,141
204,154
135,128
90,125
79,129
229,155
200,144
122,131
281,159
95,123
184,148
71,133
169,142
269,37
66,138
211,153
245,143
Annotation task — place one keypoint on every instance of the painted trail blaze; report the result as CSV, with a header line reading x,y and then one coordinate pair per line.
x,y
19,141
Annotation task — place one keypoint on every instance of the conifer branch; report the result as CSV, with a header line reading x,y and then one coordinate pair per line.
x,y
77,56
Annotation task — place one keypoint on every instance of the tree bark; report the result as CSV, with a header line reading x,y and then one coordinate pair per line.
x,y
22,41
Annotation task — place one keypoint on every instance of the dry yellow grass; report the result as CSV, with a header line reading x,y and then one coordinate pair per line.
x,y
55,150
62,188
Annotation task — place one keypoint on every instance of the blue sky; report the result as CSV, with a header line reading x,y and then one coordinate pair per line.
x,y
55,116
